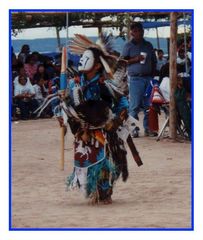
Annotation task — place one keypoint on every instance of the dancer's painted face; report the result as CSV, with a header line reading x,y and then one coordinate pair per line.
x,y
86,62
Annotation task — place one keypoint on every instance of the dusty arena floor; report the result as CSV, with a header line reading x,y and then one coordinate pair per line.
x,y
156,195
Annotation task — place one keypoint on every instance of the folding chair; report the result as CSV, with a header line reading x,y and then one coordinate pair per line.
x,y
165,108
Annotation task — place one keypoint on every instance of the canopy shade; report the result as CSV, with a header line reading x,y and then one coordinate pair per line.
x,y
36,19
164,24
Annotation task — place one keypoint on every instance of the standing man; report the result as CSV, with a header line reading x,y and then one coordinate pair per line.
x,y
141,68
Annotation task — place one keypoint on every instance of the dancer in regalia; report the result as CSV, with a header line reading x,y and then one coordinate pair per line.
x,y
96,108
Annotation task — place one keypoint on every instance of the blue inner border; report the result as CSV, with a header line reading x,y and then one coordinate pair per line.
x,y
10,132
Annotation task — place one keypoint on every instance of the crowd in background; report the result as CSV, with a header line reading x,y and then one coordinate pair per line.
x,y
34,76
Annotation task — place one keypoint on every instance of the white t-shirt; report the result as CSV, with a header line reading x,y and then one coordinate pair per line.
x,y
165,88
38,92
15,81
180,60
21,89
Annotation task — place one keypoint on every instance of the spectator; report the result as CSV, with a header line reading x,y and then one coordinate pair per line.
x,y
21,72
50,69
24,53
24,94
182,60
164,71
40,90
40,94
141,67
14,64
37,57
41,74
30,67
160,60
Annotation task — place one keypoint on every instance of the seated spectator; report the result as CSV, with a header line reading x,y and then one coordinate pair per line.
x,y
50,68
37,57
24,53
164,74
14,63
30,67
54,86
164,71
21,72
165,88
24,94
183,105
40,94
40,91
41,74
182,59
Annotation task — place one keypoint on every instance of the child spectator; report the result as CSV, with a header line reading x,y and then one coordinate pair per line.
x,y
41,74
24,94
40,90
160,60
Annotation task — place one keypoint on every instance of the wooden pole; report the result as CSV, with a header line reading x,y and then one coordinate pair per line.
x,y
173,75
128,22
99,30
62,148
58,38
157,38
63,85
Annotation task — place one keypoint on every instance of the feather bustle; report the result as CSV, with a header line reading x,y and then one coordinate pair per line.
x,y
106,67
83,39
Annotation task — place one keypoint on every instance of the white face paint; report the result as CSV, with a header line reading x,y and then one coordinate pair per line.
x,y
86,61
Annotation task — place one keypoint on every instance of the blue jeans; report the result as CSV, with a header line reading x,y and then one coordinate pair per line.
x,y
137,89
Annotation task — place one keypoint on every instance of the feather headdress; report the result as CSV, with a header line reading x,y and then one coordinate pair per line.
x,y
80,43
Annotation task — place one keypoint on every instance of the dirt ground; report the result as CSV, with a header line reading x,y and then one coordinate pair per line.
x,y
156,195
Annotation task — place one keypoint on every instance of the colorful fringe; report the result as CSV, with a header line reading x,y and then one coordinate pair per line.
x,y
100,179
